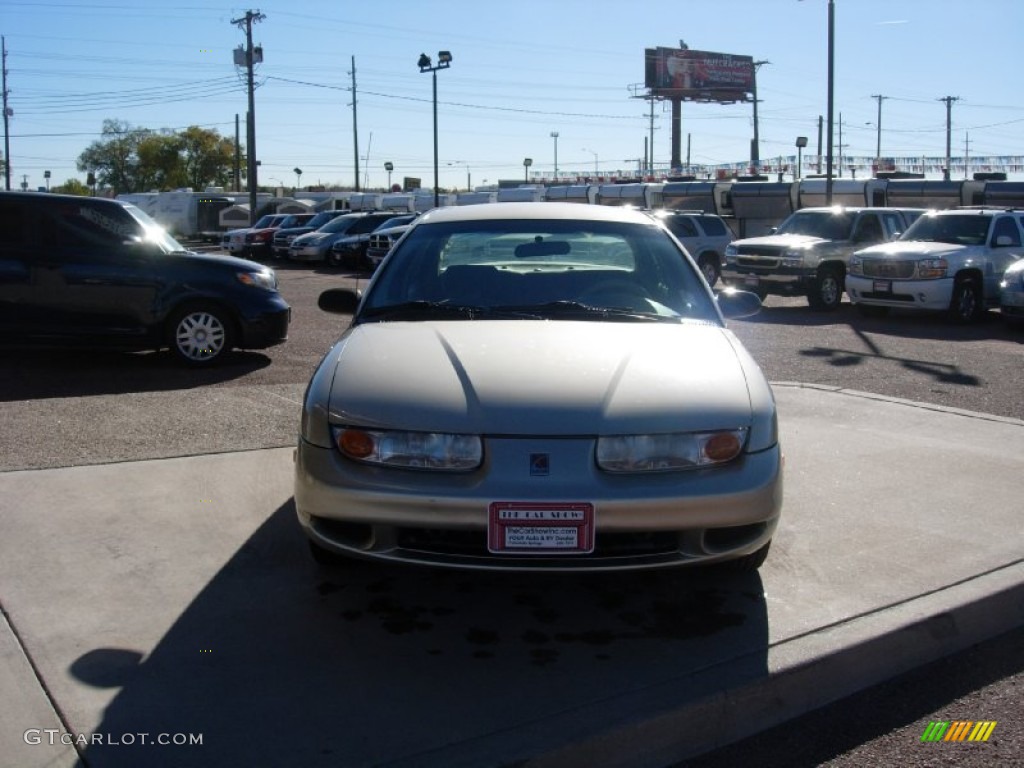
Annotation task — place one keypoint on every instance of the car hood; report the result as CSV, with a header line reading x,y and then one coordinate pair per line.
x,y
512,377
781,241
230,262
911,248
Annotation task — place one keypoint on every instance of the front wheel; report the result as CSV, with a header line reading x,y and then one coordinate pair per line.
x,y
965,306
709,267
826,291
200,335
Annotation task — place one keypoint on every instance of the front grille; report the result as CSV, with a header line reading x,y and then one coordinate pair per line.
x,y
762,263
886,268
380,242
758,250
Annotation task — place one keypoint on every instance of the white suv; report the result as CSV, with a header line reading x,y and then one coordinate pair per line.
x,y
704,235
951,260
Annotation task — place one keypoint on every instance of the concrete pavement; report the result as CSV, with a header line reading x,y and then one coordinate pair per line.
x,y
148,606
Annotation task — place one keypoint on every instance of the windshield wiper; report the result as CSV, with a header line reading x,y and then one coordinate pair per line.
x,y
420,308
571,309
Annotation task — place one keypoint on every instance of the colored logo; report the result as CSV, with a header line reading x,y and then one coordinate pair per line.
x,y
959,730
540,464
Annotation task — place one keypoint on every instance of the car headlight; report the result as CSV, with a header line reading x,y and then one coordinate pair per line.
x,y
410,450
932,268
265,279
665,453
731,252
855,266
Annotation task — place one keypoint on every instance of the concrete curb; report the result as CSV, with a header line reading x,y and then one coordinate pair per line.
x,y
811,671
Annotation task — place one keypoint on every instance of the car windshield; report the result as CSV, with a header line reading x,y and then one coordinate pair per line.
x,y
154,233
966,229
339,224
539,269
264,221
828,225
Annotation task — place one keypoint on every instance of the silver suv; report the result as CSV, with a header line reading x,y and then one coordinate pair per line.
x,y
951,260
704,235
807,253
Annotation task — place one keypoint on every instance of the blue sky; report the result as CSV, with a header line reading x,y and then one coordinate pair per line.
x,y
520,70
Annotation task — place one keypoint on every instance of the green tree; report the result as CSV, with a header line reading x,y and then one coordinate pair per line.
x,y
73,187
131,159
114,158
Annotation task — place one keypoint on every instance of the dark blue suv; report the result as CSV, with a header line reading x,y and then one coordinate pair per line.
x,y
85,271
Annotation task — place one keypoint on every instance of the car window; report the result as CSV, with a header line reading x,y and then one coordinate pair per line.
x,y
542,265
13,224
340,224
1006,227
88,226
957,229
713,226
869,229
827,225
681,226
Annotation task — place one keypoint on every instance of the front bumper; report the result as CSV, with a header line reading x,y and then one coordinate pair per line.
x,y
265,325
912,294
778,280
309,253
441,519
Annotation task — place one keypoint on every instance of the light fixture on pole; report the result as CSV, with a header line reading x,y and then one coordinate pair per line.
x,y
554,135
527,162
801,142
46,175
389,167
595,159
298,177
444,60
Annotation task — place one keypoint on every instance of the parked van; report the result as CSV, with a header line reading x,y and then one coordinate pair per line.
x,y
87,271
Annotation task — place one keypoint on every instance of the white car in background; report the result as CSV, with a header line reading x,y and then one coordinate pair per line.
x,y
951,261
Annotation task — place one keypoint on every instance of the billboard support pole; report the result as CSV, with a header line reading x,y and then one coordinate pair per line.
x,y
677,121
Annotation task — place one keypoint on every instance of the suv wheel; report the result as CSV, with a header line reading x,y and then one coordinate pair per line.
x,y
709,267
826,291
200,334
965,306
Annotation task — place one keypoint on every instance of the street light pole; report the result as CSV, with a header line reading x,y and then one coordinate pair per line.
x,y
831,83
596,171
527,162
444,60
554,135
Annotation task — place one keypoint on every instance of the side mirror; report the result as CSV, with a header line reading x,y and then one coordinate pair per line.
x,y
339,301
735,304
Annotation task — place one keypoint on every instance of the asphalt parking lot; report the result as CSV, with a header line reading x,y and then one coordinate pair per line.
x,y
251,594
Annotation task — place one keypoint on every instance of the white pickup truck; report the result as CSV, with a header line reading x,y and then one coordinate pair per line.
x,y
807,254
951,260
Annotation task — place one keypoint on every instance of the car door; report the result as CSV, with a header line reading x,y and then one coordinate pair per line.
x,y
1004,248
17,219
93,274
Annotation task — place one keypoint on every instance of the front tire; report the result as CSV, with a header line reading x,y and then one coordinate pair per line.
x,y
966,306
710,268
826,291
201,334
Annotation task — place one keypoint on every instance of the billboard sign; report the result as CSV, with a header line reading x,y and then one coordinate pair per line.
x,y
675,73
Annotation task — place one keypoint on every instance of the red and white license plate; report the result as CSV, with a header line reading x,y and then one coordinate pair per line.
x,y
882,286
540,528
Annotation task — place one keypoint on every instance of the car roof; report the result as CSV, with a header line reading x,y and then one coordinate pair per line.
x,y
539,211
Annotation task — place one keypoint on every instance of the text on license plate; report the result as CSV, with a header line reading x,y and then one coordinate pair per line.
x,y
540,528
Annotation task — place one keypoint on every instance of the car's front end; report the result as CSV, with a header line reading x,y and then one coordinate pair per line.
x,y
1011,293
773,264
311,247
579,448
904,274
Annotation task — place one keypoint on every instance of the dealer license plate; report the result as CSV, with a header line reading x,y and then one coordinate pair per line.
x,y
752,281
556,528
882,286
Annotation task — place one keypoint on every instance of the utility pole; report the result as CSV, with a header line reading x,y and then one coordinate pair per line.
x,y
238,158
355,125
755,145
821,122
878,134
967,155
250,138
949,136
7,114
